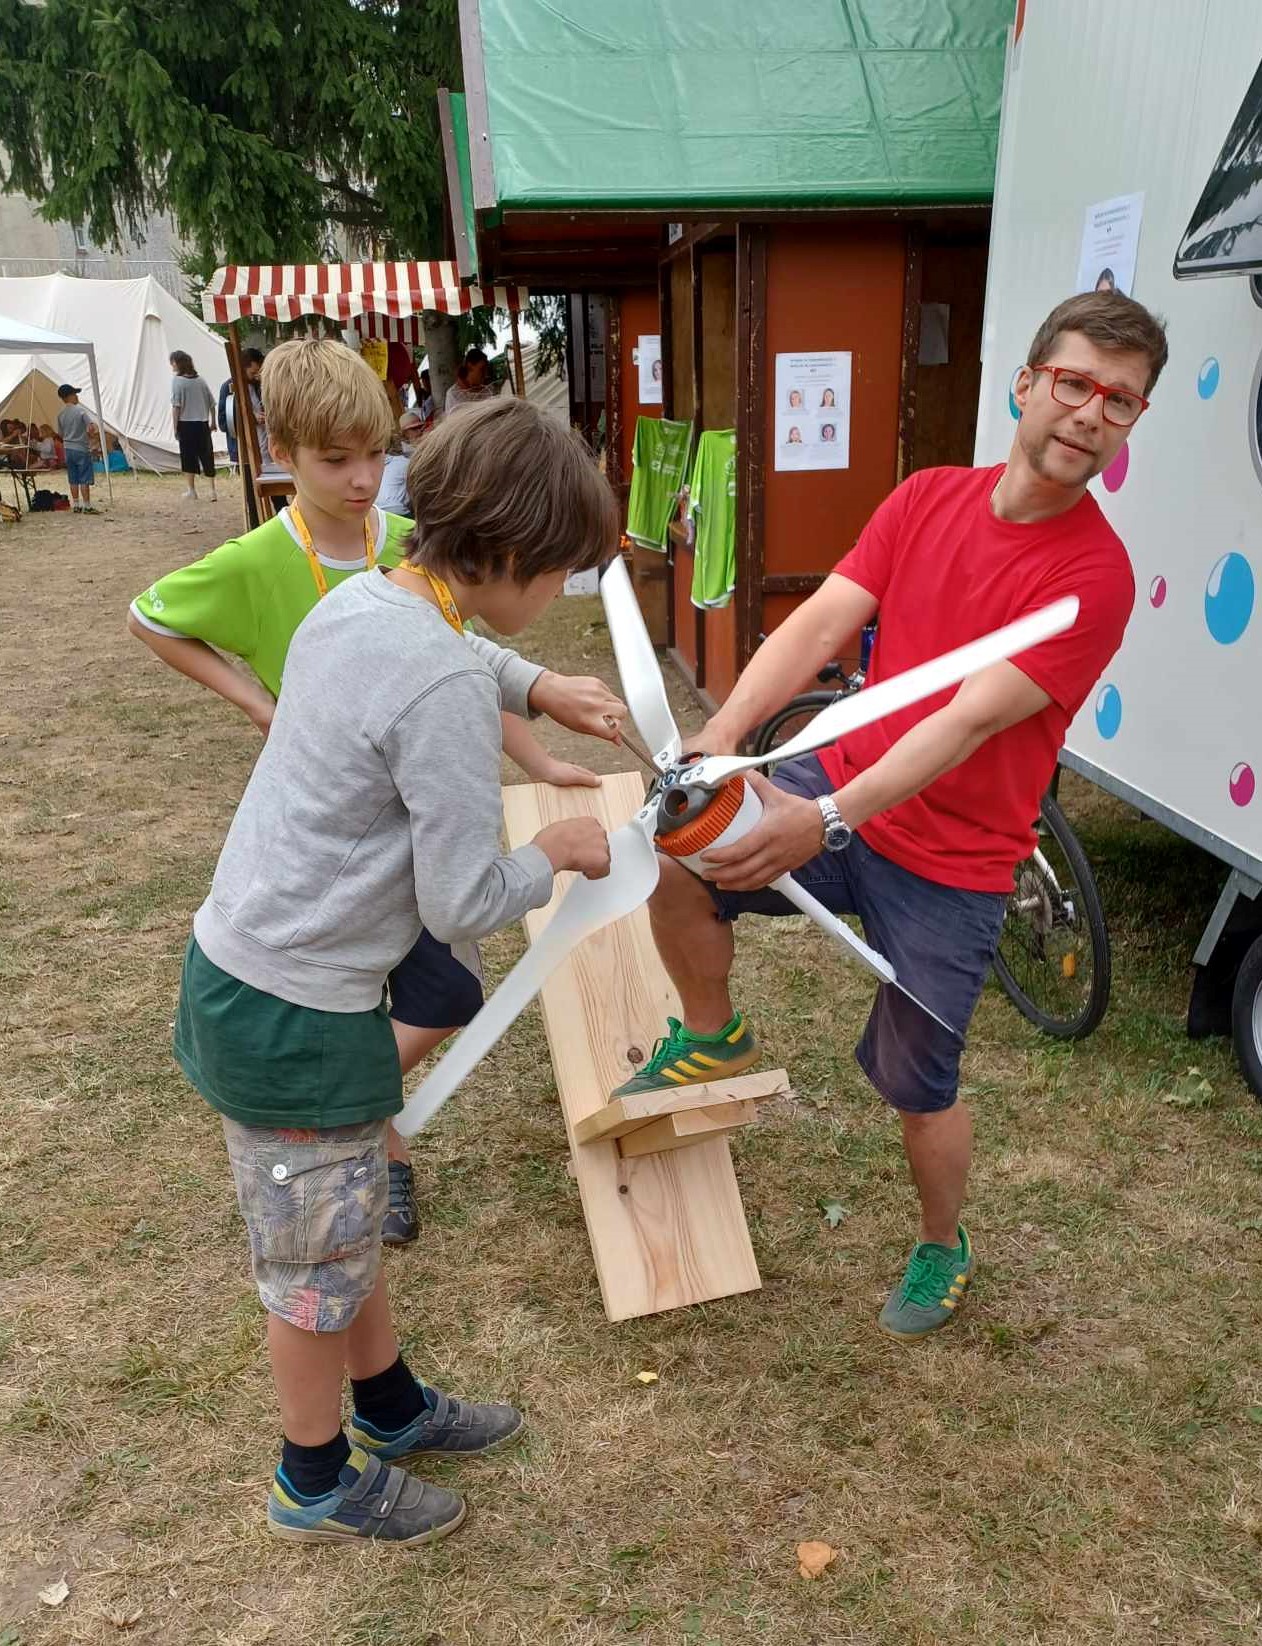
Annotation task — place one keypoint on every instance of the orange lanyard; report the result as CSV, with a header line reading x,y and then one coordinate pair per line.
x,y
446,603
313,559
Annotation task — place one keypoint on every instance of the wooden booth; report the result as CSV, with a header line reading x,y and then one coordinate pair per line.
x,y
755,193
383,300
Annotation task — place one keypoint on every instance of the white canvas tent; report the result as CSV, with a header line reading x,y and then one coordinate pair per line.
x,y
550,393
133,327
21,340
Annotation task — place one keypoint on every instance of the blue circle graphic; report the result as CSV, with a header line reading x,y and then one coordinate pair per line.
x,y
1207,378
1013,408
1108,711
1229,599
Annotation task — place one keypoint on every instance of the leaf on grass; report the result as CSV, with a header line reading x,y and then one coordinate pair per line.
x,y
646,1377
126,1620
1255,1414
1192,1091
56,1594
833,1211
10,1637
814,1557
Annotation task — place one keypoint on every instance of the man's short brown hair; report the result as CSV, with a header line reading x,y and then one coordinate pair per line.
x,y
502,489
1110,320
318,393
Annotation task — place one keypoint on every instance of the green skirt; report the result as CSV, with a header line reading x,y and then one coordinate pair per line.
x,y
265,1062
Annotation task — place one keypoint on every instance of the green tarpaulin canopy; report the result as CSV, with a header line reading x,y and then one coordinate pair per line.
x,y
688,104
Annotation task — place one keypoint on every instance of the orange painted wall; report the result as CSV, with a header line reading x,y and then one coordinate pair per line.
x,y
833,288
639,317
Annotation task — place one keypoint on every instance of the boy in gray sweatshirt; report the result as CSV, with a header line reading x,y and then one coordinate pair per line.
x,y
374,812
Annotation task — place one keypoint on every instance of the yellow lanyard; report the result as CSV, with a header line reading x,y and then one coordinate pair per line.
x,y
446,603
313,559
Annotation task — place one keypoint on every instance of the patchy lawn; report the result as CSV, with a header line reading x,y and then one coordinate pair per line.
x,y
1075,1460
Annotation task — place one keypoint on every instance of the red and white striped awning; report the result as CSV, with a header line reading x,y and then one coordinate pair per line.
x,y
345,291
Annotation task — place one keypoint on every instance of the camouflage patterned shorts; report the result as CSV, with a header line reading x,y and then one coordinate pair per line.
x,y
313,1202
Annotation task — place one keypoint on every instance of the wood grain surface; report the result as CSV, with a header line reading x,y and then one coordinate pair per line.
x,y
668,1229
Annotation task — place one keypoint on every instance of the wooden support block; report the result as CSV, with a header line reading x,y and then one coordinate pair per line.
x,y
666,1229
626,1114
681,1131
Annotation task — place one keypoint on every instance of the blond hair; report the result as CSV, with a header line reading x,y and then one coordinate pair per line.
x,y
317,392
502,490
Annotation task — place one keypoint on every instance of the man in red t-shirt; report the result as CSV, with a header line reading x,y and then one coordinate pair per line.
x,y
917,822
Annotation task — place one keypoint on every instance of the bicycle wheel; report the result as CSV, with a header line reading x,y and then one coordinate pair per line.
x,y
789,721
1053,960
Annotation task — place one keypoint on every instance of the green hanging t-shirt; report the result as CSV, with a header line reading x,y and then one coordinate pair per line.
x,y
659,459
712,508
248,596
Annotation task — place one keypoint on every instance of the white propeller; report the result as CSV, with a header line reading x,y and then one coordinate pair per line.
x,y
638,668
861,708
590,904
586,907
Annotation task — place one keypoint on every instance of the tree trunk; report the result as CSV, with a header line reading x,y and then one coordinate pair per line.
x,y
440,345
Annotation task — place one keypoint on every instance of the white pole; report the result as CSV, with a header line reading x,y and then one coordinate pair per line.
x,y
100,426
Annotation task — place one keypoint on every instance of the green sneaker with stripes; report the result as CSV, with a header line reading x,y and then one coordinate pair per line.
x,y
931,1290
684,1058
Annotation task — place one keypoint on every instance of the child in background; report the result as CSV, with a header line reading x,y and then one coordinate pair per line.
x,y
330,424
374,810
73,425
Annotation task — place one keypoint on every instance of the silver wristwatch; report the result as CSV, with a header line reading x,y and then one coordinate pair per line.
x,y
837,832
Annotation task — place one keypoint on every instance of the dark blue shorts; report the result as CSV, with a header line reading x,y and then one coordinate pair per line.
x,y
431,989
940,941
79,470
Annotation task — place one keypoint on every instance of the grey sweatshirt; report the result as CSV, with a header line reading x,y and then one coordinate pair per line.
x,y
374,808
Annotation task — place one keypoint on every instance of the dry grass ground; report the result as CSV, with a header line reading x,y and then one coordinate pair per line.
x,y
1077,1460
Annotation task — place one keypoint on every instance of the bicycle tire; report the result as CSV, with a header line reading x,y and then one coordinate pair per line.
x,y
1063,1024
789,720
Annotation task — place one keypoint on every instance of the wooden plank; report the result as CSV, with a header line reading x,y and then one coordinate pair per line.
x,y
909,367
625,1114
666,1230
684,1131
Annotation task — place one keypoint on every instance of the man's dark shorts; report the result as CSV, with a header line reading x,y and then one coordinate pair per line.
x,y
431,989
940,941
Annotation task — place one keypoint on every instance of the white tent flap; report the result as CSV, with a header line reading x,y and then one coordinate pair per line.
x,y
133,327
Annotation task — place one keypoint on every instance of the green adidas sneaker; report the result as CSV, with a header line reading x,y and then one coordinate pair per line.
x,y
931,1290
684,1058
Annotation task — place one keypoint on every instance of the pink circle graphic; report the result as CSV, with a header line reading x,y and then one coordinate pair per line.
x,y
1114,475
1157,592
1242,783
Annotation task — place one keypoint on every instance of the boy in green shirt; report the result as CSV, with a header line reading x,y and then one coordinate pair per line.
x,y
374,810
329,423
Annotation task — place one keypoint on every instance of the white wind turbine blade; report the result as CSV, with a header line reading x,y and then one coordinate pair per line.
x,y
586,907
900,691
851,944
638,668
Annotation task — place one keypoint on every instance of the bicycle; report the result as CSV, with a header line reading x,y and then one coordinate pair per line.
x,y
1054,960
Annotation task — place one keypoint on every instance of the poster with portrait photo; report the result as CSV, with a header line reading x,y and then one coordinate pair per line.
x,y
649,362
813,411
1110,244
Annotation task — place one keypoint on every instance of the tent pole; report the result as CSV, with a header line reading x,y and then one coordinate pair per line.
x,y
518,373
100,427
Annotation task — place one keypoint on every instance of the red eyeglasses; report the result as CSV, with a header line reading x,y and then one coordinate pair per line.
x,y
1076,389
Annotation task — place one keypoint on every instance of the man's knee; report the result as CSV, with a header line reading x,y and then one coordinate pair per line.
x,y
677,885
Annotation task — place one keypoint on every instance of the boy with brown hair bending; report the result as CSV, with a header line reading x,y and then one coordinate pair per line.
x,y
374,813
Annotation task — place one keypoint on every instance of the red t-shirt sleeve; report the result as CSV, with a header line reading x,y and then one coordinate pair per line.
x,y
871,562
1068,666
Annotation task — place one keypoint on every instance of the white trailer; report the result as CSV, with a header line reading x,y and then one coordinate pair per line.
x,y
1160,99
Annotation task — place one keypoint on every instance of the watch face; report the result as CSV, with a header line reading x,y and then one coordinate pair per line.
x,y
836,836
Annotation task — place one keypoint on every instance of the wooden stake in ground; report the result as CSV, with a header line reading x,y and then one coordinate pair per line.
x,y
667,1228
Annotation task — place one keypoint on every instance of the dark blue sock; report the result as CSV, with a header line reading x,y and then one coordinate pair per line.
x,y
390,1400
310,1472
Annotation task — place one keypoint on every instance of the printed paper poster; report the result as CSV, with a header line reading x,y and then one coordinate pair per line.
x,y
1110,244
813,411
649,355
